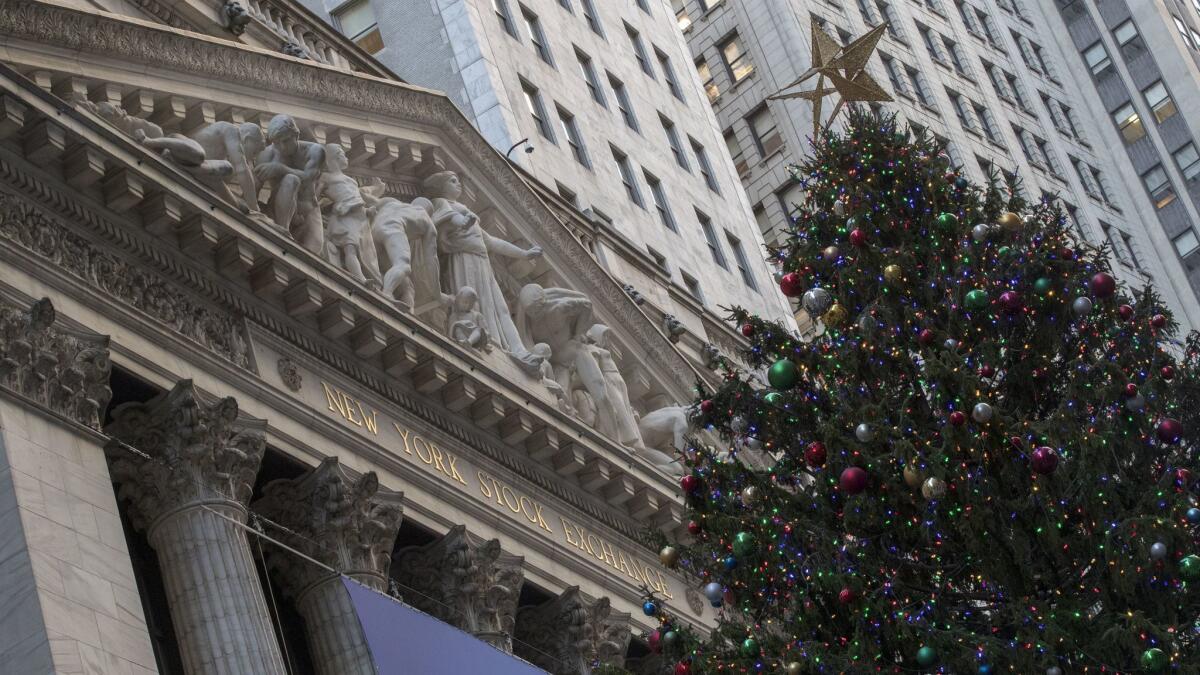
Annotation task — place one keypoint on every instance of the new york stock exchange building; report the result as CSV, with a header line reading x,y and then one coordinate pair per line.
x,y
299,375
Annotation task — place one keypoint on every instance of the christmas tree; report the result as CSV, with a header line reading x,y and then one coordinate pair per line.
x,y
978,466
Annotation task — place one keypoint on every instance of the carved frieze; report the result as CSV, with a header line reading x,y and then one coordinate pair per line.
x,y
571,635
61,369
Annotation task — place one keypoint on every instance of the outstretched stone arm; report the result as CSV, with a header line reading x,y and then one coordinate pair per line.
x,y
504,249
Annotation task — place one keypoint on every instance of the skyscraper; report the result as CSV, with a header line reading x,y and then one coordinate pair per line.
x,y
986,76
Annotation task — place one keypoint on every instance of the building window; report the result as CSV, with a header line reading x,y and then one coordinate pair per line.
x,y
706,170
1129,122
681,14
592,18
660,201
706,79
893,73
1126,34
660,261
1014,85
968,19
927,38
985,122
693,287
668,71
566,4
537,110
791,199
673,141
627,177
1186,243
639,50
956,57
886,13
1159,186
571,131
567,194
739,257
1098,180
735,152
737,61
357,22
536,36
868,16
1188,161
623,104
918,86
1159,101
1097,58
710,237
961,110
644,6
766,134
504,15
589,76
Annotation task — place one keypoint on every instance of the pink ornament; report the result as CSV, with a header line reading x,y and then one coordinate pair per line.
x,y
791,285
1158,321
858,237
853,480
1011,301
1125,311
654,642
846,596
815,454
1169,431
958,418
1044,460
706,406
1103,285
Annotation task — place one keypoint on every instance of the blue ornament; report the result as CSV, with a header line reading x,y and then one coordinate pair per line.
x,y
714,593
985,669
730,562
1193,515
961,183
649,608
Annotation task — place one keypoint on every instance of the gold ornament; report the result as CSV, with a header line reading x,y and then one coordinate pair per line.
x,y
933,488
912,476
668,556
846,69
1010,221
830,253
893,274
794,668
835,316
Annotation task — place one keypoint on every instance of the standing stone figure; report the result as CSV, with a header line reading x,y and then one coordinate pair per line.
x,y
347,222
618,420
291,168
404,242
468,251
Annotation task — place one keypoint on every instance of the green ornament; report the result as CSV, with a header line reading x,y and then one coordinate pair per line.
x,y
1189,567
750,647
743,542
977,299
1042,286
783,374
774,398
1004,251
947,220
926,656
1154,660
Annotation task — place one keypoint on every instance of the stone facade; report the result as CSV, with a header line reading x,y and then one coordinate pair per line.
x,y
209,418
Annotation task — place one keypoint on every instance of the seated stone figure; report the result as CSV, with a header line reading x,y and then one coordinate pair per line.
x,y
464,324
291,167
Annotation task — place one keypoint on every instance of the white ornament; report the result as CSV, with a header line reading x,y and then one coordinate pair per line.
x,y
933,488
816,301
1158,551
1082,306
864,433
982,412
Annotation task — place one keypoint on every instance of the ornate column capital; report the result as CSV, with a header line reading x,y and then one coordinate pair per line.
x,y
183,448
342,519
464,581
570,634
67,371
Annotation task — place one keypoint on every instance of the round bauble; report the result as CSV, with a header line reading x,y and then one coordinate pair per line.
x,y
947,220
649,608
1125,311
1135,403
1082,306
754,443
714,592
835,317
982,412
694,527
961,183
1169,431
925,336
853,480
839,209
747,330
830,253
933,488
794,668
816,301
750,494
743,543
1189,567
1158,321
951,344
669,555
858,237
1193,515
730,562
1011,302
893,274
706,406
958,418
1066,253
815,454
1103,285
685,667
1167,372
1158,551
986,370
690,484
981,232
1154,660
1010,221
1130,390
792,285
773,398
1054,670
976,299
1044,460
1043,286
750,647
783,374
926,656
846,596
984,669
912,475
654,641
864,433
670,637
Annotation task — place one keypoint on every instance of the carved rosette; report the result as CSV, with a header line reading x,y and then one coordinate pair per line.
x,y
464,581
337,517
181,449
571,635
61,369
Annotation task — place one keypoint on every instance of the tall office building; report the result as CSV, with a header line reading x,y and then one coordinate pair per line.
x,y
987,76
617,121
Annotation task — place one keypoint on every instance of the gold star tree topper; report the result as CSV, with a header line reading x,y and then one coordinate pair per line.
x,y
845,68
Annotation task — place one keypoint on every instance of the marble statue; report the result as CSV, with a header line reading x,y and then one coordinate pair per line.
x,y
543,352
291,168
347,223
237,144
404,241
468,250
664,428
464,324
621,423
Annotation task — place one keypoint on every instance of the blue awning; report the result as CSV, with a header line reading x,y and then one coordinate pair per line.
x,y
404,641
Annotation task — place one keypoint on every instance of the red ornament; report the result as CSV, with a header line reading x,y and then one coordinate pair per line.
x,y
846,596
925,336
1168,373
693,528
791,285
747,330
1169,431
958,418
1067,253
815,454
1103,285
1125,311
858,237
853,480
706,406
689,483
986,371
1131,390
1016,442
654,642
1044,460
683,668
1011,301
1158,321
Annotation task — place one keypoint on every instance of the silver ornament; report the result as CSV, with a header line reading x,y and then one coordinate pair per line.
x,y
951,344
1082,306
669,638
839,208
981,232
866,324
852,222
816,301
750,494
753,443
864,433
933,488
1054,670
1135,403
714,593
1158,551
982,412
830,253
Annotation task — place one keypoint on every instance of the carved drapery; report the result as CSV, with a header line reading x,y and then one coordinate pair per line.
x,y
571,635
464,581
186,465
61,369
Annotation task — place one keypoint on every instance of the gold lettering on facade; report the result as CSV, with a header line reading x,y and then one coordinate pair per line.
x,y
350,409
615,558
512,500
403,436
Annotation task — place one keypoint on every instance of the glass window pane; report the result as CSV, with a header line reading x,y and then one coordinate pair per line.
x,y
1186,243
356,19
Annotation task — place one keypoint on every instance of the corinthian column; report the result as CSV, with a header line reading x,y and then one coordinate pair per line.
x,y
464,581
186,465
570,635
347,523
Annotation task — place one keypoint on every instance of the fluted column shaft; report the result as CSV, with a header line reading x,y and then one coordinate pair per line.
x,y
217,604
334,633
